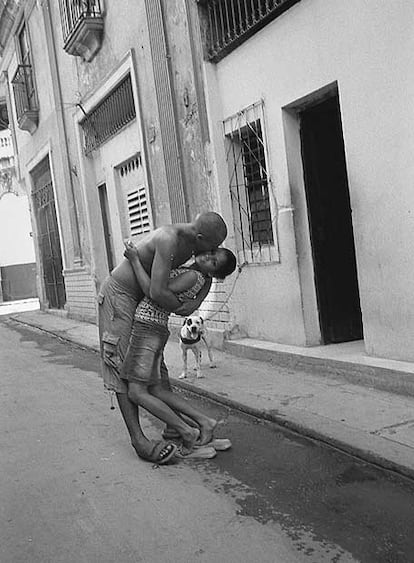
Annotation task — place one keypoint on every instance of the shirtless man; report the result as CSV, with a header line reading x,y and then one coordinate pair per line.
x,y
160,251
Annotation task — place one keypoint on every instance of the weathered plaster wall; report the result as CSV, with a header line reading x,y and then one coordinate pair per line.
x,y
46,139
83,83
80,83
368,52
182,48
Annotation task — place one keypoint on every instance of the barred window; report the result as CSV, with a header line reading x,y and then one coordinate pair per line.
x,y
109,116
249,185
231,22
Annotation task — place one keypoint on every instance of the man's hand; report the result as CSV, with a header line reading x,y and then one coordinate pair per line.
x,y
131,251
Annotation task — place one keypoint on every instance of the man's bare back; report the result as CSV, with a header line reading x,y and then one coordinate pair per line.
x,y
169,238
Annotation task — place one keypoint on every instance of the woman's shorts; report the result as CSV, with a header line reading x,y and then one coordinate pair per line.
x,y
144,359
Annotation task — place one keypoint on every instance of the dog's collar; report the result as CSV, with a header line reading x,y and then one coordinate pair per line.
x,y
191,340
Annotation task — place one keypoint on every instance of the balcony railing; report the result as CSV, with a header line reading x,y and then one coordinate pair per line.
x,y
231,22
82,25
6,146
5,139
25,98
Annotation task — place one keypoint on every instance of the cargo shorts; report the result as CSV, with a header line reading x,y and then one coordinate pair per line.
x,y
116,309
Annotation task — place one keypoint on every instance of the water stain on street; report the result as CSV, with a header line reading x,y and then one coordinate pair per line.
x,y
309,489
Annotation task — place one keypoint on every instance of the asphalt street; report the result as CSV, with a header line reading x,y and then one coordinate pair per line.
x,y
73,490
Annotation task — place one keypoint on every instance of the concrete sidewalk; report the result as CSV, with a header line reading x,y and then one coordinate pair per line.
x,y
369,414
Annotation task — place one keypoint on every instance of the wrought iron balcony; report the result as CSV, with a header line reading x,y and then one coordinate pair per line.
x,y
231,22
25,98
82,25
6,145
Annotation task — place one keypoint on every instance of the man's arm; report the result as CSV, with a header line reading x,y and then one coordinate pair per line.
x,y
188,308
177,285
131,252
160,272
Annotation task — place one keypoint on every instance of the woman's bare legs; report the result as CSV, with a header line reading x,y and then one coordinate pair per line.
x,y
174,401
139,394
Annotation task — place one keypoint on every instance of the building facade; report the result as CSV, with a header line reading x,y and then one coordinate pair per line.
x,y
103,132
310,106
17,258
290,118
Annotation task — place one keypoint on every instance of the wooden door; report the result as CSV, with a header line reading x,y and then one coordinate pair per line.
x,y
48,236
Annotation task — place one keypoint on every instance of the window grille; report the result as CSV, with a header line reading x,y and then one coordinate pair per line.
x,y
74,11
138,211
231,22
24,90
249,185
4,117
132,164
109,116
43,196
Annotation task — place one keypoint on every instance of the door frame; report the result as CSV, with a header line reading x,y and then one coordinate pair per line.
x,y
291,125
330,221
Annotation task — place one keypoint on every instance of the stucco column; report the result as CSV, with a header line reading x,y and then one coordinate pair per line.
x,y
166,110
64,152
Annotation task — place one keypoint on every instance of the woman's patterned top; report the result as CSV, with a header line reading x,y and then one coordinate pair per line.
x,y
151,312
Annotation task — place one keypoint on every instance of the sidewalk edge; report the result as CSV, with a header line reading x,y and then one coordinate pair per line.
x,y
289,424
371,457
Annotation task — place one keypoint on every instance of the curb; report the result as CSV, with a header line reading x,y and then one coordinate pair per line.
x,y
280,420
301,430
380,377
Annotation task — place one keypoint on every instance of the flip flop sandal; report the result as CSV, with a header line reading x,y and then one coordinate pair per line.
x,y
220,444
217,424
201,452
161,453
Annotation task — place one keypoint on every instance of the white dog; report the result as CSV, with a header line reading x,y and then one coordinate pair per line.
x,y
193,332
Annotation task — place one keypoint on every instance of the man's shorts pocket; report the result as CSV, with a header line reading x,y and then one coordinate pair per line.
x,y
110,350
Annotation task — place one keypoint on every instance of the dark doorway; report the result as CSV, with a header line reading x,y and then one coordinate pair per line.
x,y
330,221
103,201
48,235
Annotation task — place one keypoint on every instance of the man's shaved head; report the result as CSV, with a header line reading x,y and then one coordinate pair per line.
x,y
212,228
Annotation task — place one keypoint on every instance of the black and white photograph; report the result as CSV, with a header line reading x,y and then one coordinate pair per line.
x,y
206,296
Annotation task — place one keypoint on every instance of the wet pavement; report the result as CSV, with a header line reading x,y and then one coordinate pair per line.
x,y
314,491
331,506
